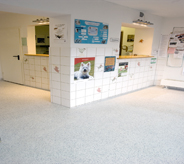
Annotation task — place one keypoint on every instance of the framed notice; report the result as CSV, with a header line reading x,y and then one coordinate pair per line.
x,y
84,68
110,62
130,38
90,32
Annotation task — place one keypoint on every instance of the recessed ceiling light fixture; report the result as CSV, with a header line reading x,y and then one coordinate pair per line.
x,y
142,22
42,21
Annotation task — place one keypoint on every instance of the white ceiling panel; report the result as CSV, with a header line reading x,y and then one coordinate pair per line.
x,y
164,8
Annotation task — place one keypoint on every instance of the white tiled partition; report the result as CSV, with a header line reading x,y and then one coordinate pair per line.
x,y
60,75
36,72
161,64
70,93
85,91
107,84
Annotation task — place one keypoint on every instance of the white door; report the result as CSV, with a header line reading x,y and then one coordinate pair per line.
x,y
10,55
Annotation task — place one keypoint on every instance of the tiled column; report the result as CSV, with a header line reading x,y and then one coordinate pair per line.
x,y
59,61
55,75
104,83
60,75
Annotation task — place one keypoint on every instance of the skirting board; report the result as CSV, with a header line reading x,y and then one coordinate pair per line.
x,y
172,83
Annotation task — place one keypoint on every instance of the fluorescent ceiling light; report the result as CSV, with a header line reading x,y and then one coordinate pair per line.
x,y
142,22
42,21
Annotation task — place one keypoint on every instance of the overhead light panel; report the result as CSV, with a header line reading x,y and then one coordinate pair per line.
x,y
142,22
42,21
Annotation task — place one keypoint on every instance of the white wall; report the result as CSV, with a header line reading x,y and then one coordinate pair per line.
x,y
64,90
21,21
145,47
16,20
170,23
70,93
31,45
90,10
114,15
163,71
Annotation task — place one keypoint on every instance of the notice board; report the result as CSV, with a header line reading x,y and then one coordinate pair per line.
x,y
90,32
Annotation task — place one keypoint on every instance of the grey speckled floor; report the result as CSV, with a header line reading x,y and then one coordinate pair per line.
x,y
144,127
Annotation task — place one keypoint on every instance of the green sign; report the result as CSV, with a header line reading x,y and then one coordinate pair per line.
x,y
153,60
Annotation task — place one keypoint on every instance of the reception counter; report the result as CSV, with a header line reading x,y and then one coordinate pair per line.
x,y
45,55
140,72
36,70
134,57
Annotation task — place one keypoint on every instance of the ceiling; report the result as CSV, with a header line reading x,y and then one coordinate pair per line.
x,y
164,8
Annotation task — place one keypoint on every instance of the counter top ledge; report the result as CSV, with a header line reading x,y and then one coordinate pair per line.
x,y
133,57
46,55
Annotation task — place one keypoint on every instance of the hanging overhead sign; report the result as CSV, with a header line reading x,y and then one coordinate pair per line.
x,y
90,32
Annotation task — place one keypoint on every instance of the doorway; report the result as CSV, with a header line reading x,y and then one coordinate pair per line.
x,y
127,40
10,55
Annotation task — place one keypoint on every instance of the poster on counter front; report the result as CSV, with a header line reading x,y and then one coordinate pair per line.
x,y
84,68
60,32
123,69
110,62
90,32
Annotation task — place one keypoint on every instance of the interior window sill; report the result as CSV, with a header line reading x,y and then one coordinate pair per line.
x,y
45,55
133,57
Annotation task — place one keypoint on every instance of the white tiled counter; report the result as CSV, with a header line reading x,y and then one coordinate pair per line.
x,y
70,93
107,84
140,75
36,71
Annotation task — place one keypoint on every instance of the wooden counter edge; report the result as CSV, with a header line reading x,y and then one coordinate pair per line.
x,y
134,57
45,55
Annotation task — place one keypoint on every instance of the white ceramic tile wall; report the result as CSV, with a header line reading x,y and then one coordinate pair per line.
x,y
67,92
36,72
161,63
107,84
59,63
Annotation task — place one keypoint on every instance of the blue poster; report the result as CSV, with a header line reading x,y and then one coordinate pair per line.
x,y
89,32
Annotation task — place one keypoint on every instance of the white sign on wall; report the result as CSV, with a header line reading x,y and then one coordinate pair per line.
x,y
60,32
114,39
